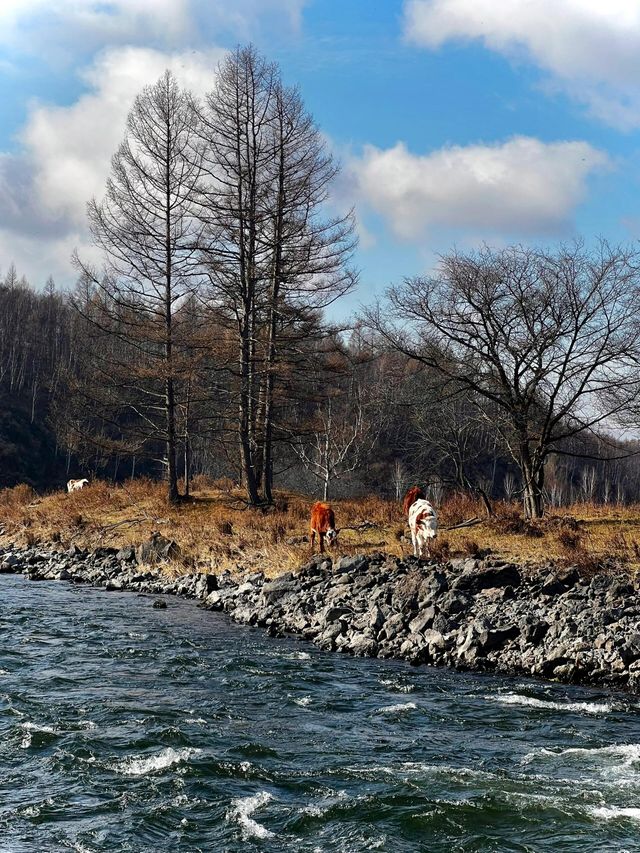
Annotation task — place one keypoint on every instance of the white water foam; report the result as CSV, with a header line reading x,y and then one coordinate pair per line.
x,y
548,704
241,811
613,813
152,763
397,685
398,709
304,701
628,752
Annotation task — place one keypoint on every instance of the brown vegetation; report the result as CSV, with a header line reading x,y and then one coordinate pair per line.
x,y
217,531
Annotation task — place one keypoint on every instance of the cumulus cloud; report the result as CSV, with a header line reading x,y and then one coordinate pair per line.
x,y
590,48
69,148
520,187
66,153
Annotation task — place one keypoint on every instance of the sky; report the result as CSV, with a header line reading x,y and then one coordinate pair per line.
x,y
456,122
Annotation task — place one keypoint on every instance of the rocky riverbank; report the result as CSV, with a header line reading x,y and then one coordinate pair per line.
x,y
481,615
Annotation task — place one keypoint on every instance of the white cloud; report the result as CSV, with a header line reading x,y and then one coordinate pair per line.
x,y
86,25
520,187
119,46
590,48
70,148
66,154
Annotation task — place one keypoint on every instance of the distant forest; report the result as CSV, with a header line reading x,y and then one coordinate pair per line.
x,y
202,347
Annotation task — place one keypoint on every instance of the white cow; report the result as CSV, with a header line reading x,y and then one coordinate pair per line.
x,y
423,524
76,485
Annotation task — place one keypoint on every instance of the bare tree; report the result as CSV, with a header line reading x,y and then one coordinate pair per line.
x,y
545,337
340,437
150,239
272,258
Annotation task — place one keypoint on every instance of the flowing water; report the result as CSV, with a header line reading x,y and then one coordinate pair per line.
x,y
124,728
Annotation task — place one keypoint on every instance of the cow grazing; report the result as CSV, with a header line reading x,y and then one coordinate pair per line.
x,y
76,485
323,523
423,524
414,494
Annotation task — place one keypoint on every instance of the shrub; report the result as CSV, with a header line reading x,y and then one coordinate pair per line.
x,y
471,547
20,495
570,540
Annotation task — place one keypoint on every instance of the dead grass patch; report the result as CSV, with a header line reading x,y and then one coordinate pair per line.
x,y
216,531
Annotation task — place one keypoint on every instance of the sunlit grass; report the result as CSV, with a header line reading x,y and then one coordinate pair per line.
x,y
216,531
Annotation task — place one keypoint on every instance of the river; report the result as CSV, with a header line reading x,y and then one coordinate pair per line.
x,y
124,728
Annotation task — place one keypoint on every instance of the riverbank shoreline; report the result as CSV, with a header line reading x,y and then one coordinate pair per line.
x,y
468,614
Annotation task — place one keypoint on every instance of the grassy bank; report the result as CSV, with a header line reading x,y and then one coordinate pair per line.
x,y
215,531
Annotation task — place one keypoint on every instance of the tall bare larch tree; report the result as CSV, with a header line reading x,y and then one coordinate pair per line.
x,y
150,240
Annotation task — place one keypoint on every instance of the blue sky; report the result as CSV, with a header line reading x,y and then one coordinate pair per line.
x,y
456,121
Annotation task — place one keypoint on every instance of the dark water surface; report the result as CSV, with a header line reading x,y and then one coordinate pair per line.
x,y
124,728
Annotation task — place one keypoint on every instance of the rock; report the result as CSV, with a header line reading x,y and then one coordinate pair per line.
x,y
363,646
126,554
9,564
273,590
157,549
476,579
557,583
405,594
159,604
352,564
423,620
205,584
332,614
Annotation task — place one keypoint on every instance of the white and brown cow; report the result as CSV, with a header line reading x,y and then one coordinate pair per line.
x,y
423,524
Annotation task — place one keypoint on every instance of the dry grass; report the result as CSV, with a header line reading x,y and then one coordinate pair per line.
x,y
215,530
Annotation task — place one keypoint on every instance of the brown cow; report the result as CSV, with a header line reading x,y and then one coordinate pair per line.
x,y
323,523
414,494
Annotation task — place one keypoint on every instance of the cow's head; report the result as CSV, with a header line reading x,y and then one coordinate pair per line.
x,y
332,535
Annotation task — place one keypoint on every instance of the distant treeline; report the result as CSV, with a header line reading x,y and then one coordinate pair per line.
x,y
402,432
201,346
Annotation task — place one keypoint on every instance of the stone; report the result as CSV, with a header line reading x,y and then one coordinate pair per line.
x,y
423,620
557,583
477,579
356,563
275,589
126,554
159,604
157,549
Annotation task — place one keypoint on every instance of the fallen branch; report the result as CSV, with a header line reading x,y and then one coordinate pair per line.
x,y
130,521
470,522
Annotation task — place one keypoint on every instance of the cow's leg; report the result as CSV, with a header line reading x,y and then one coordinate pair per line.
x,y
321,536
313,540
414,542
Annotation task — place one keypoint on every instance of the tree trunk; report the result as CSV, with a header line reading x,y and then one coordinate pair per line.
x,y
173,496
533,479
244,425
